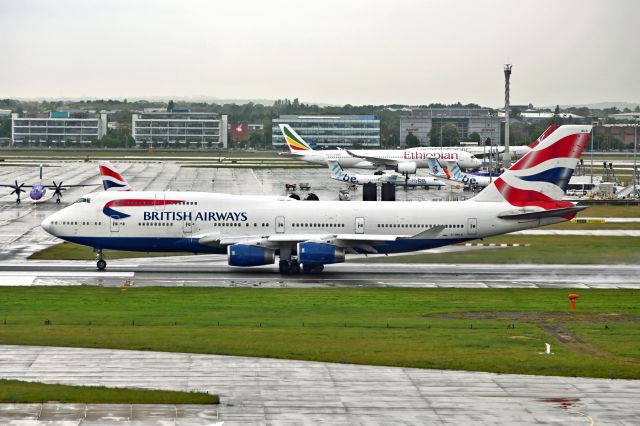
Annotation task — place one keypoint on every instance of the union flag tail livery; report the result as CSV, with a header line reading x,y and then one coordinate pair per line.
x,y
295,143
540,178
111,179
552,128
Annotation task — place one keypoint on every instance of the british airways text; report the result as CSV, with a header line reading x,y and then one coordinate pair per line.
x,y
204,216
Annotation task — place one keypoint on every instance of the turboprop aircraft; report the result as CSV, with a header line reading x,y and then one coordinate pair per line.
x,y
253,230
402,161
38,193
338,173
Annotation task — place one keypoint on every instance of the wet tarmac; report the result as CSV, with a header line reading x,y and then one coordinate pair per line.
x,y
272,391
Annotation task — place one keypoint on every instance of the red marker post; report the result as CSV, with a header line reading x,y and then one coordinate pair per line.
x,y
572,300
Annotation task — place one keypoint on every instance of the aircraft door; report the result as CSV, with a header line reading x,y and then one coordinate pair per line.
x,y
472,226
187,227
159,201
359,225
280,224
115,224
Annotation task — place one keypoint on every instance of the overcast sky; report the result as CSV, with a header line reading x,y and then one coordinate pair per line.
x,y
332,51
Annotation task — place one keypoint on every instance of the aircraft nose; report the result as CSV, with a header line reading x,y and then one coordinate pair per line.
x,y
47,225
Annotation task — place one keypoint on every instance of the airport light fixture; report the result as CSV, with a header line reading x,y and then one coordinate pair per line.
x,y
593,136
635,151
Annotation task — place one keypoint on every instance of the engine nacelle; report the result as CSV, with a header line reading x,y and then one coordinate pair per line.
x,y
406,167
319,253
246,255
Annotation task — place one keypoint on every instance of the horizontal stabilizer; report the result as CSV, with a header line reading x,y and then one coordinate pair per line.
x,y
539,214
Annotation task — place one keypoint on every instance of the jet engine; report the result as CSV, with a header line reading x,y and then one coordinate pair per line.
x,y
310,254
407,167
246,255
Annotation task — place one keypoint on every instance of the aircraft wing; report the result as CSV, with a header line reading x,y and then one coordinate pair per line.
x,y
70,186
489,152
374,160
364,242
2,185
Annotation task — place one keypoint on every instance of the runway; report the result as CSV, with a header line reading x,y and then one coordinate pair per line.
x,y
272,391
212,271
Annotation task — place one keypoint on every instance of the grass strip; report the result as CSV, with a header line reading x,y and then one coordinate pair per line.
x,y
71,251
497,330
16,391
540,249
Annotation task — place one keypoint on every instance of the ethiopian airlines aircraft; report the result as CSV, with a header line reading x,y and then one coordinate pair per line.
x,y
402,161
338,173
252,231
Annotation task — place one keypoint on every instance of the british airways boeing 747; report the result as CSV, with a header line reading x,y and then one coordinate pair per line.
x,y
252,231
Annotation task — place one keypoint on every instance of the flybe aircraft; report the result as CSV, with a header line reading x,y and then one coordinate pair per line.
x,y
402,161
452,172
305,235
338,173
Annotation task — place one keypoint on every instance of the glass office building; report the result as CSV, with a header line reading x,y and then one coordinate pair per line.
x,y
324,131
180,129
58,128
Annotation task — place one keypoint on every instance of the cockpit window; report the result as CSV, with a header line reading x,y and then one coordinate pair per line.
x,y
83,200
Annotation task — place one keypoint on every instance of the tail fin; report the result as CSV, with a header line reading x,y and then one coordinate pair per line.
x,y
111,179
294,141
552,128
454,170
542,175
336,169
338,173
436,169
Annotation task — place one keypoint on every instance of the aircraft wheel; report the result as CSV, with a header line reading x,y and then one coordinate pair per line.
x,y
294,267
284,267
101,264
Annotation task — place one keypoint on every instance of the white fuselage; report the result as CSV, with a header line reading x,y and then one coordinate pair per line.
x,y
417,155
515,151
182,221
399,180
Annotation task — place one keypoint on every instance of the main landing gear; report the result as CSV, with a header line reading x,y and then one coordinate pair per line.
x,y
101,264
293,267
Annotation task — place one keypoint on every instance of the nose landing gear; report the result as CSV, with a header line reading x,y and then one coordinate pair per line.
x,y
101,264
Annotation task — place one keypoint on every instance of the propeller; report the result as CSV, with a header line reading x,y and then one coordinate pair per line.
x,y
57,190
17,189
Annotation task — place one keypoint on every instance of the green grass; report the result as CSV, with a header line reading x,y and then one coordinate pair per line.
x,y
424,328
71,251
553,249
593,226
611,211
30,392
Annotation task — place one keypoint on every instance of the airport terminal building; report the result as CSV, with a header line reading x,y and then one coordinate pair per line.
x,y
325,131
180,128
420,121
57,128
